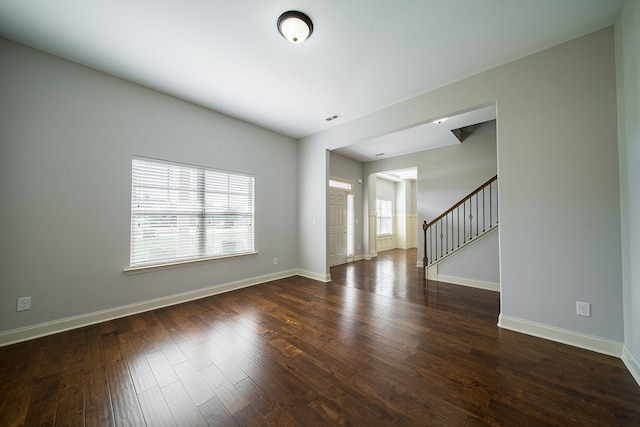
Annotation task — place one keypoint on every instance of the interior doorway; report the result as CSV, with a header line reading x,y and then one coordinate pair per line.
x,y
393,214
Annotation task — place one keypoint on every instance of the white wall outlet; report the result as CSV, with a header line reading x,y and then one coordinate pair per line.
x,y
583,308
24,303
275,260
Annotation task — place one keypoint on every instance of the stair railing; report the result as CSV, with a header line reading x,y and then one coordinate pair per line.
x,y
461,223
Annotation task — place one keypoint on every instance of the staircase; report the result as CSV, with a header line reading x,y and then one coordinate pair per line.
x,y
463,223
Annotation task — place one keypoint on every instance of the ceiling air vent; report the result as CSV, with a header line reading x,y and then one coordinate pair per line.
x,y
335,116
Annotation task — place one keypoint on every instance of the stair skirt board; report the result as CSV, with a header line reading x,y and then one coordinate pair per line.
x,y
432,269
472,283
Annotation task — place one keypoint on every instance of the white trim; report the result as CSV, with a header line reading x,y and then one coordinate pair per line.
x,y
412,231
391,178
344,181
565,336
313,275
185,263
473,283
632,364
432,272
61,325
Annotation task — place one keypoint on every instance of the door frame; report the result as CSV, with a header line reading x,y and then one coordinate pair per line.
x,y
350,191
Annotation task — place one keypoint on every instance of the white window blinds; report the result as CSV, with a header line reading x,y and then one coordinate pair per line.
x,y
384,210
182,212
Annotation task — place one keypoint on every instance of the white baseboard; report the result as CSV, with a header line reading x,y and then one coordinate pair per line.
x,y
576,339
313,275
405,247
432,272
473,283
61,325
632,364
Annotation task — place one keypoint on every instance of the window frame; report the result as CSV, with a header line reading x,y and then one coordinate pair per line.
x,y
341,184
379,216
205,209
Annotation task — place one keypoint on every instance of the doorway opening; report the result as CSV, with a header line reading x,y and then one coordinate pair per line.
x,y
393,209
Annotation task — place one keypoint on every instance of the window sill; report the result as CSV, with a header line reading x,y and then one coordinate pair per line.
x,y
186,263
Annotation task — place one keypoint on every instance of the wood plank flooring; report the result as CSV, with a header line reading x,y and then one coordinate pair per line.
x,y
376,346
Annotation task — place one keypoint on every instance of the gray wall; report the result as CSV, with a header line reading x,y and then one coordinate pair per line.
x,y
478,261
67,136
628,78
313,173
558,178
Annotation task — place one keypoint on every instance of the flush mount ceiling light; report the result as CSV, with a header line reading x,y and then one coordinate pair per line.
x,y
295,26
440,121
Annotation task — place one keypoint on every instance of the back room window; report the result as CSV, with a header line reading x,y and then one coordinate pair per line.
x,y
384,214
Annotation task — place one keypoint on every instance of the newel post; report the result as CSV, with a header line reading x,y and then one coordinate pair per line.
x,y
425,260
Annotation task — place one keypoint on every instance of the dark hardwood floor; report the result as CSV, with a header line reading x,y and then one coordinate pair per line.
x,y
376,346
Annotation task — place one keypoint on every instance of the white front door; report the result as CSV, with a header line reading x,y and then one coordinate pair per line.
x,y
337,227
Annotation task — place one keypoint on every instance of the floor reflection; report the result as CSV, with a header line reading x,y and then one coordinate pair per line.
x,y
393,275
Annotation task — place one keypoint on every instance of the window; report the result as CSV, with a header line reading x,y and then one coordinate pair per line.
x,y
384,210
340,184
182,213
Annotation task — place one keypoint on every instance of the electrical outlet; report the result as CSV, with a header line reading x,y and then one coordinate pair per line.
x,y
24,303
275,260
583,308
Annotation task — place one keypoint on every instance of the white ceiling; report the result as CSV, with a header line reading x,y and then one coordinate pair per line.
x,y
364,55
418,138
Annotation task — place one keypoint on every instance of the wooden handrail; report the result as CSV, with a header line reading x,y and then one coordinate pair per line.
x,y
464,199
